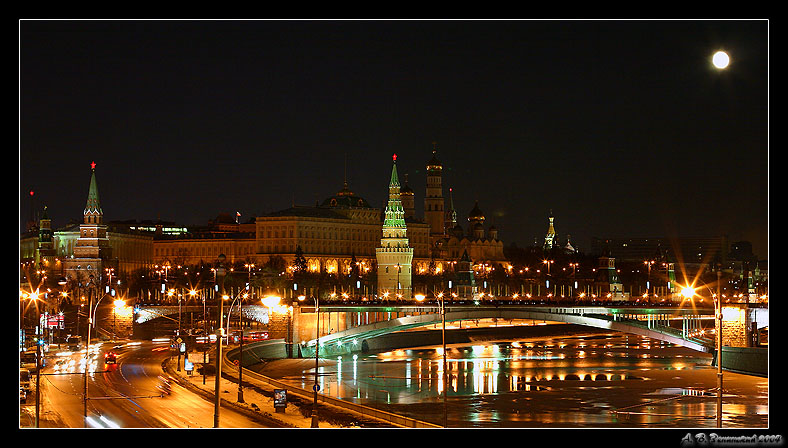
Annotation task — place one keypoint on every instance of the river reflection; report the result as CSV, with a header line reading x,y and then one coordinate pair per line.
x,y
611,380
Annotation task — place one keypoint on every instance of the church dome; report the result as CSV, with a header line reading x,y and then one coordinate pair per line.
x,y
345,198
476,213
405,189
434,164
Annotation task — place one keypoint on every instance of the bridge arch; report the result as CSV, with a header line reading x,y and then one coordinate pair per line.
x,y
353,339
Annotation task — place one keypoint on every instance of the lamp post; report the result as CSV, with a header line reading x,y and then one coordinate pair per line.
x,y
648,263
63,294
118,303
718,311
248,267
315,387
92,287
445,365
220,277
547,280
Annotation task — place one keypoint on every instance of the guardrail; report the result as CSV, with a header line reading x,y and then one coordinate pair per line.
x,y
307,395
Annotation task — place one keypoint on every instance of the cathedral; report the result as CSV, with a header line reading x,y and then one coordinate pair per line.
x,y
448,239
551,240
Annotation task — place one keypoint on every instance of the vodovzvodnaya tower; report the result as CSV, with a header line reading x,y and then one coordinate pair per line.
x,y
394,256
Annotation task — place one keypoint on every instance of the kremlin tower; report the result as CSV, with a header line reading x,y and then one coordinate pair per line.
x,y
394,256
92,250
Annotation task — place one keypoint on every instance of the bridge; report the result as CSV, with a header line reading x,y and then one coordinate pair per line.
x,y
351,324
654,322
146,313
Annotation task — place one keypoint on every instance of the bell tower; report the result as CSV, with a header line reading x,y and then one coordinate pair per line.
x,y
549,239
433,199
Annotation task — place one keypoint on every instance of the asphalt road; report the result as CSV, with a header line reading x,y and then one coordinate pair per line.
x,y
124,394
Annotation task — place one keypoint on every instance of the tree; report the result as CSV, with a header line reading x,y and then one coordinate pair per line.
x,y
299,264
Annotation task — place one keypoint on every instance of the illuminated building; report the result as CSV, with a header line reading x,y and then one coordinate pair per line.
x,y
79,250
433,199
607,281
448,240
394,256
549,239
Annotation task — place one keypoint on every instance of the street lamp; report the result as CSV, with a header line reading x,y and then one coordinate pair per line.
x,y
317,346
91,286
248,267
170,293
63,295
648,263
220,271
315,387
718,311
547,281
445,365
204,331
118,304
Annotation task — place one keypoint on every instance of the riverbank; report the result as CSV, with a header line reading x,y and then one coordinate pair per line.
x,y
259,397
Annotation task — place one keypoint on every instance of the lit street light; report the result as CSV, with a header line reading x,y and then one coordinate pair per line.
x,y
220,270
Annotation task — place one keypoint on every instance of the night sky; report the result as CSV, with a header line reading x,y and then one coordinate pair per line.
x,y
621,128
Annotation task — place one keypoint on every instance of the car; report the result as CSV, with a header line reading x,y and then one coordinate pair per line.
x,y
110,358
164,385
28,360
24,379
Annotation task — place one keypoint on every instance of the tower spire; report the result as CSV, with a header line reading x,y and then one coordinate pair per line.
x,y
394,182
345,171
93,213
394,256
451,213
395,214
549,239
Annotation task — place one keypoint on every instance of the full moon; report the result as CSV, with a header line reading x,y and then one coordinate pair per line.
x,y
720,59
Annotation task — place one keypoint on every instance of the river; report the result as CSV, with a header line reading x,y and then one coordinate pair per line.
x,y
574,381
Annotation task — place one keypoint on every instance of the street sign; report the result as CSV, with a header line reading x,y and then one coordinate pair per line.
x,y
280,399
316,387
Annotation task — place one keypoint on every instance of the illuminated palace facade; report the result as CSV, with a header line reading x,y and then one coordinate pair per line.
x,y
331,235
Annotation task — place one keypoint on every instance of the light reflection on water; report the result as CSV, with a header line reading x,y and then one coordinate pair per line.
x,y
567,382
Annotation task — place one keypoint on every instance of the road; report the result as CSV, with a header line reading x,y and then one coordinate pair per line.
x,y
125,394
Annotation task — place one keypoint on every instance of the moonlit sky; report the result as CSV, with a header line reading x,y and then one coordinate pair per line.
x,y
622,128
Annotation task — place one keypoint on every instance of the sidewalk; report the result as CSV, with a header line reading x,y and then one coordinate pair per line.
x,y
258,399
